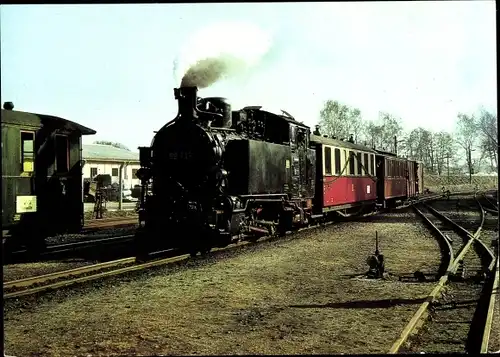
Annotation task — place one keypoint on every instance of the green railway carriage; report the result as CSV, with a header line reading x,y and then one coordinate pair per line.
x,y
42,190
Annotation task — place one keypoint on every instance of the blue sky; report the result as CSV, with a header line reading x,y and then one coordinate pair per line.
x,y
110,67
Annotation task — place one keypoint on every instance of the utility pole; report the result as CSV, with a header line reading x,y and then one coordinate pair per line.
x,y
448,166
469,164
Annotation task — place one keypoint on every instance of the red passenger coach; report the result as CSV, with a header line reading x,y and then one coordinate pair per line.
x,y
393,174
346,174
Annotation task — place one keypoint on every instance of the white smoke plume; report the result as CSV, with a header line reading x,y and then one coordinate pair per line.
x,y
219,52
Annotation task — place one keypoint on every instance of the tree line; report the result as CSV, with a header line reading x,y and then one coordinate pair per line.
x,y
471,147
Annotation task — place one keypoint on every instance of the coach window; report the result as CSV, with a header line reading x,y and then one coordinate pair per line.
x,y
360,165
370,164
337,161
328,161
351,163
365,163
27,150
373,165
62,154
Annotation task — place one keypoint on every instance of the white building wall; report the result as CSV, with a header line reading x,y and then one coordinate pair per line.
x,y
106,168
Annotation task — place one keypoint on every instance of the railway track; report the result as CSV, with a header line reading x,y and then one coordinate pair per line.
x,y
34,285
47,282
58,249
460,307
491,206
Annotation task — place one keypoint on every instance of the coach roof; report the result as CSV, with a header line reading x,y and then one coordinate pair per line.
x,y
17,117
341,143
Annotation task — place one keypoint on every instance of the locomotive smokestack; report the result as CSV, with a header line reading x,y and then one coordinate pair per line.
x,y
187,97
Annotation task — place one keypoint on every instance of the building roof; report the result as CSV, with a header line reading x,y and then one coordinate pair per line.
x,y
108,153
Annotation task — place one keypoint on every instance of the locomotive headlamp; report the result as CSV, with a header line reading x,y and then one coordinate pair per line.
x,y
145,156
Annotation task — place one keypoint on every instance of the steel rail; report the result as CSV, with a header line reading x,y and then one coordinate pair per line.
x,y
452,267
60,274
491,310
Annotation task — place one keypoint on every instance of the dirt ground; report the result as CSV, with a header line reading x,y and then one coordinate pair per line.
x,y
299,295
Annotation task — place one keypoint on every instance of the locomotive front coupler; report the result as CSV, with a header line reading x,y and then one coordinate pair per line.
x,y
376,262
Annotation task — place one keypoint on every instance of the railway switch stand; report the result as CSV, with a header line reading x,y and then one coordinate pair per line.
x,y
376,262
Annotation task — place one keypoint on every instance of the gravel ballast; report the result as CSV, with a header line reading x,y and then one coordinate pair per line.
x,y
302,294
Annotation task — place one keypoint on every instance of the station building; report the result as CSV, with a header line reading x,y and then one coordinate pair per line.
x,y
108,160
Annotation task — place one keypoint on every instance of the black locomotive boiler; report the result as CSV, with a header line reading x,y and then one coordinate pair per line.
x,y
213,175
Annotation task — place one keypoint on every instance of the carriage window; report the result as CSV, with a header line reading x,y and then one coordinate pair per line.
x,y
337,161
370,164
374,171
27,151
360,164
328,161
351,163
62,154
365,163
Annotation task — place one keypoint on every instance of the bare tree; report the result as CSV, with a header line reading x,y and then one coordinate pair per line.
x,y
340,121
466,137
488,137
444,148
420,145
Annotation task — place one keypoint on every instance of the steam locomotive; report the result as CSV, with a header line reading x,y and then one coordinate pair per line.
x,y
212,176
